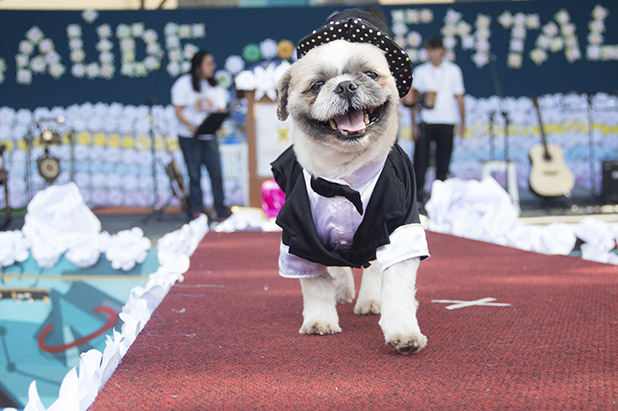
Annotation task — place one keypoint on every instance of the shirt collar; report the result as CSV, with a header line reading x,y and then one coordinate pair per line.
x,y
359,178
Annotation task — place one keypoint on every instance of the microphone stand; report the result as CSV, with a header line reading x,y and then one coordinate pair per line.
x,y
507,123
504,113
492,137
505,165
156,208
591,144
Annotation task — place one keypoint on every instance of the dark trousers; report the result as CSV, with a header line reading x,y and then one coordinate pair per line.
x,y
442,134
197,152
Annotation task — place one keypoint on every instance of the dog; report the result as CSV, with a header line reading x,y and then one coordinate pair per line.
x,y
350,194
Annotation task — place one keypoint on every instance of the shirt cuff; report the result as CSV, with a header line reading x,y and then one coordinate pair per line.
x,y
407,241
291,266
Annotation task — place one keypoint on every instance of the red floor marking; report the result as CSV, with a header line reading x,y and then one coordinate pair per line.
x,y
63,347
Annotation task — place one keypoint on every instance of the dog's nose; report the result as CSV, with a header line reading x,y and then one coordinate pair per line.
x,y
346,88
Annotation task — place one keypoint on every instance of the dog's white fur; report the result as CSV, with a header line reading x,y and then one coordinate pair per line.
x,y
390,293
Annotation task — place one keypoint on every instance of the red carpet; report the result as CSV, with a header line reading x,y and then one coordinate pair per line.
x,y
238,347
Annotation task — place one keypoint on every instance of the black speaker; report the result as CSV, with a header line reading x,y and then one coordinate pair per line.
x,y
610,182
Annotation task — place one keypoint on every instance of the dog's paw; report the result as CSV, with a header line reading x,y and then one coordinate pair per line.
x,y
319,327
367,307
345,295
401,331
406,343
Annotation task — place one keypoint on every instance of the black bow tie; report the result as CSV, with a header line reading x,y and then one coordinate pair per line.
x,y
329,189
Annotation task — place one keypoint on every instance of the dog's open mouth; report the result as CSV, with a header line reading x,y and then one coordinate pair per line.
x,y
353,124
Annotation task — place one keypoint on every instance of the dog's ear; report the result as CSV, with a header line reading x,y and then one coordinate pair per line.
x,y
282,99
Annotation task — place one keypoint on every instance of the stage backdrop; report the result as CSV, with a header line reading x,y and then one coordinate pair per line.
x,y
98,69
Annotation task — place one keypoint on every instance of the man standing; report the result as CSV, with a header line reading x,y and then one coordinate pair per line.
x,y
438,96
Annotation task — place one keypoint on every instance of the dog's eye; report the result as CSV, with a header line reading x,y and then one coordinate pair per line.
x,y
372,75
315,87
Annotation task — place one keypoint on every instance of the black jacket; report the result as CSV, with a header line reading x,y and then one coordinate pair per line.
x,y
392,204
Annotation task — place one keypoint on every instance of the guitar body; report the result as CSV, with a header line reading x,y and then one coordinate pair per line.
x,y
549,174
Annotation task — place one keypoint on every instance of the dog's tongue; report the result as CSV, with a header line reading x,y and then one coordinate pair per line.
x,y
351,122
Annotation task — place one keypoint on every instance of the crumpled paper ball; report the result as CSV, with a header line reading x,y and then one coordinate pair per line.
x,y
55,217
599,239
184,240
84,250
61,207
14,247
558,239
127,248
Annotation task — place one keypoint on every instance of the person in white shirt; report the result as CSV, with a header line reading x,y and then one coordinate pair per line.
x,y
194,96
437,95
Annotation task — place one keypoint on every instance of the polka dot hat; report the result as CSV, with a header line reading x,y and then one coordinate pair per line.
x,y
359,26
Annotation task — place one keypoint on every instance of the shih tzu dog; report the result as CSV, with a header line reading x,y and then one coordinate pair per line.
x,y
350,191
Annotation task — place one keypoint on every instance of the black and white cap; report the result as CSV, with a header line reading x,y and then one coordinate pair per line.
x,y
358,26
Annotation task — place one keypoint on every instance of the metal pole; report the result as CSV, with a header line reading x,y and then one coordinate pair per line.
x,y
591,145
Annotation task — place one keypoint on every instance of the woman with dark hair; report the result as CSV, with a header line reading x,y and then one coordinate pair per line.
x,y
195,95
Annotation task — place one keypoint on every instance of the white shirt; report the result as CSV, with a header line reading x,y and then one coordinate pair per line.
x,y
446,81
336,221
196,105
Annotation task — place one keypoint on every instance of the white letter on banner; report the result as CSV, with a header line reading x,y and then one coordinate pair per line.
x,y
48,61
178,56
455,26
105,67
596,50
519,24
411,41
555,37
130,67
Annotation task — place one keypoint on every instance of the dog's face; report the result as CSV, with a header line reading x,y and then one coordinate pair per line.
x,y
341,96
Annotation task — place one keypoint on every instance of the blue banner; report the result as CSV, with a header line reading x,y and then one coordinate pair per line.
x,y
59,58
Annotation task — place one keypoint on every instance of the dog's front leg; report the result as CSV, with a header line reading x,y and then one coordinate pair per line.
x,y
319,305
398,320
368,301
344,283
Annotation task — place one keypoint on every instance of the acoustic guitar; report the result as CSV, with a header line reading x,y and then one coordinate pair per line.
x,y
549,174
177,182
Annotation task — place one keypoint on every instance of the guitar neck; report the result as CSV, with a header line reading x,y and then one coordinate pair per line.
x,y
537,108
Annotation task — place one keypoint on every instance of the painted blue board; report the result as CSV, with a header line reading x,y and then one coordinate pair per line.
x,y
69,306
